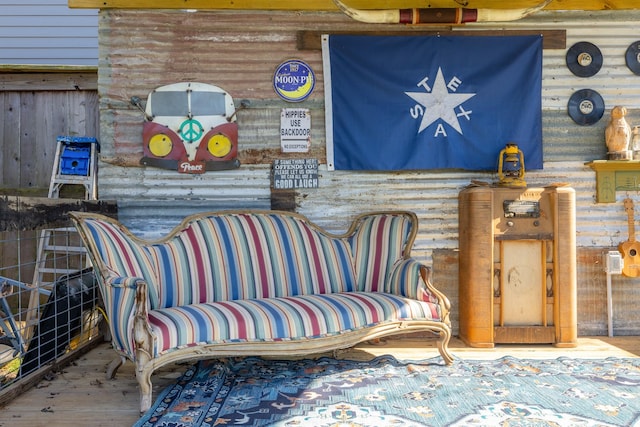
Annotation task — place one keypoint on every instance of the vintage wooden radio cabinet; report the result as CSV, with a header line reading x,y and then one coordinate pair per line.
x,y
517,268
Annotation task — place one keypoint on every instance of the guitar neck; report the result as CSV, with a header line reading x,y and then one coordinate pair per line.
x,y
630,219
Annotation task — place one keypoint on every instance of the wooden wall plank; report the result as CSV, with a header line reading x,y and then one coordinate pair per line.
x,y
358,4
28,144
11,141
77,116
48,81
50,111
552,39
92,117
3,97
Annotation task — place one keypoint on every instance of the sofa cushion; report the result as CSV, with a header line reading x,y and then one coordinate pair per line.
x,y
378,243
285,318
249,255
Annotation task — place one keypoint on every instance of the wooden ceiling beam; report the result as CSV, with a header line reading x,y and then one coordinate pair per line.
x,y
552,39
329,5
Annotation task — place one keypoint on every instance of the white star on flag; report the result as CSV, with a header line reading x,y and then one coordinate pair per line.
x,y
440,104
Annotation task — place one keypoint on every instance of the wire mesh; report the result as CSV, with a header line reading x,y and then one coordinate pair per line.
x,y
49,301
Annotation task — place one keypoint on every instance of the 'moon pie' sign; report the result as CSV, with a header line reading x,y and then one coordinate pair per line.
x,y
294,80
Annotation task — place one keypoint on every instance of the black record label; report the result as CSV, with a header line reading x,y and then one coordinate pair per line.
x,y
584,59
586,107
633,57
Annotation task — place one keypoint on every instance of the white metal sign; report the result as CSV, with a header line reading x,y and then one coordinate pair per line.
x,y
295,130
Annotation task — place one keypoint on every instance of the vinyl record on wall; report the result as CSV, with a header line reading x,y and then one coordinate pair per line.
x,y
585,107
584,59
633,57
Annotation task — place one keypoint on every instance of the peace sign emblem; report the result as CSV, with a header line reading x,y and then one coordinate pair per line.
x,y
191,130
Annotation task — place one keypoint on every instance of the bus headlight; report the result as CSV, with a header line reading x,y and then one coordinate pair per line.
x,y
219,145
160,145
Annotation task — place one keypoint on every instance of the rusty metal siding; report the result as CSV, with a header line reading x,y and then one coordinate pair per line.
x,y
151,204
612,32
239,51
433,196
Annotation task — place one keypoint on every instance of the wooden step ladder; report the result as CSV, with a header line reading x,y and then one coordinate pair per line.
x,y
75,163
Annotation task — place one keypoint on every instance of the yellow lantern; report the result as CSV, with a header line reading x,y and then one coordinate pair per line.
x,y
511,166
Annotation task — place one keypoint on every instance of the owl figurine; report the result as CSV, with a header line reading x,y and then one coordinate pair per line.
x,y
618,132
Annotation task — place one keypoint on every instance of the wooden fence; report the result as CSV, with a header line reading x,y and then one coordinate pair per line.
x,y
37,106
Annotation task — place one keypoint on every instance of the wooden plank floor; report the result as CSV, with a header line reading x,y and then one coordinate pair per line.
x,y
80,395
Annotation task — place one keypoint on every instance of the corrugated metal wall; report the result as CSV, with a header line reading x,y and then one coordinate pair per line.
x,y
47,32
239,51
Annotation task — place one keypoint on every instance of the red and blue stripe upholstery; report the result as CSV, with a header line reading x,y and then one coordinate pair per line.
x,y
377,243
258,276
245,256
282,318
123,261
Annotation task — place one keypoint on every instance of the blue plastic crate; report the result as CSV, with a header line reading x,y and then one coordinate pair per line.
x,y
75,155
75,160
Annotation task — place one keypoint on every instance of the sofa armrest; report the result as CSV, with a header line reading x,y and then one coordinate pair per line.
x,y
127,306
412,279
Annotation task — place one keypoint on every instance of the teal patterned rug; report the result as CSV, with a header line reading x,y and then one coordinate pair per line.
x,y
385,392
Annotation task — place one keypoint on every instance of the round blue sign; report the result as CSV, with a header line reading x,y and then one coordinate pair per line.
x,y
294,80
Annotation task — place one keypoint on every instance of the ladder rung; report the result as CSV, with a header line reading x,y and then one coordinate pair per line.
x,y
61,229
44,288
58,270
60,248
72,178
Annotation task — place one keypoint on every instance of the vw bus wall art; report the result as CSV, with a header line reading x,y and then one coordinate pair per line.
x,y
190,127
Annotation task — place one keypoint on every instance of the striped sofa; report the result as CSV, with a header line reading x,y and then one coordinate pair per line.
x,y
259,283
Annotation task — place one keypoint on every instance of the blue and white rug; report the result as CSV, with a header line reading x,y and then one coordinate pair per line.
x,y
327,392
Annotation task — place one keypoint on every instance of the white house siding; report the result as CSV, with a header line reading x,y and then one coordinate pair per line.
x,y
239,51
47,32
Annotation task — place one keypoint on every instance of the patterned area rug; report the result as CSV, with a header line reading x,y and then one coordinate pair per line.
x,y
385,392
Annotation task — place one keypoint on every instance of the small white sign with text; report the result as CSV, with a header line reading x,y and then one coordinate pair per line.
x,y
295,130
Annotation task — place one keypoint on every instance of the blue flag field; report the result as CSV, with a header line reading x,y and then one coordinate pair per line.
x,y
431,102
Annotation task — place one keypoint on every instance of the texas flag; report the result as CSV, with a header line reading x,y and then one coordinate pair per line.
x,y
431,102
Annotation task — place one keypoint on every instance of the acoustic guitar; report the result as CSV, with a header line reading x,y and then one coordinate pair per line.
x,y
630,249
